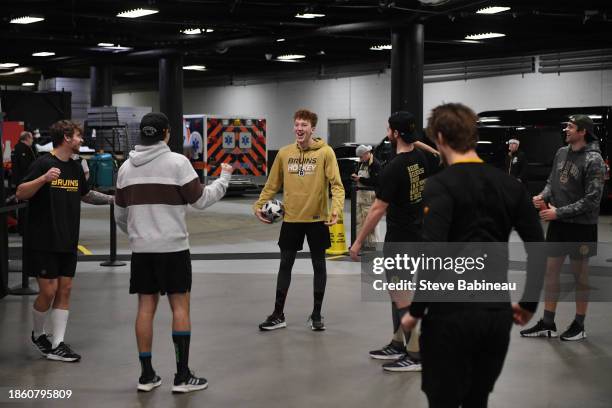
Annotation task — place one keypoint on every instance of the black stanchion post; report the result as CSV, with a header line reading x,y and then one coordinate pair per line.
x,y
354,189
113,241
24,289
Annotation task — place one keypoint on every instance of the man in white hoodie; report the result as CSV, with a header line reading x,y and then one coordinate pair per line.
x,y
154,187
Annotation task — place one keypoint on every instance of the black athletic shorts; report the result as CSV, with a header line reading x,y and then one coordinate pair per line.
x,y
166,272
576,240
463,353
51,265
292,236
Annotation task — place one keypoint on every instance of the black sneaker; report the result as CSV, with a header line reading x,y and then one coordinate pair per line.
x,y
316,323
63,352
574,332
273,322
540,329
42,344
404,364
389,352
189,383
146,384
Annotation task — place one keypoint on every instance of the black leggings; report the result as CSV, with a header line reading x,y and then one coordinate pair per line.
x,y
283,280
471,401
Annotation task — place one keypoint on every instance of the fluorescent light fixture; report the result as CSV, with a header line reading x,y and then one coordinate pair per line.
x,y
521,128
195,67
43,54
115,48
492,10
484,36
484,142
28,84
8,65
135,13
470,41
595,116
106,44
530,109
192,31
309,15
381,47
21,70
280,39
26,20
290,57
209,30
488,119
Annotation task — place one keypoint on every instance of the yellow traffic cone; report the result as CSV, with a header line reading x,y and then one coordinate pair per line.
x,y
337,238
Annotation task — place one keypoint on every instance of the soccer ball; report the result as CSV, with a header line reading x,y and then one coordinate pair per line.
x,y
273,210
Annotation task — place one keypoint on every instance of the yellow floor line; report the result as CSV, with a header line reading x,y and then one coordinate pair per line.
x,y
335,257
84,250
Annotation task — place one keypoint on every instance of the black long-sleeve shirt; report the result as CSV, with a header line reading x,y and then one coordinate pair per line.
x,y
374,169
516,163
475,202
21,157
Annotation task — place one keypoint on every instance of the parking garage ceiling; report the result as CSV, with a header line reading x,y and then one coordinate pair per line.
x,y
263,37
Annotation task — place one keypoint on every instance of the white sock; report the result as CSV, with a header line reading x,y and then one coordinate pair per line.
x,y
39,319
59,320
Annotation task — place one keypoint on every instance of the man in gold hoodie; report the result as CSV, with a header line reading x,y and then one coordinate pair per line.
x,y
305,169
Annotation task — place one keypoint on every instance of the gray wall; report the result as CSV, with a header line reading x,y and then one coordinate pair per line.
x,y
367,99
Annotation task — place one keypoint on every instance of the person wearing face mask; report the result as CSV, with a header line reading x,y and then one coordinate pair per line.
x,y
516,162
306,170
570,203
367,176
399,195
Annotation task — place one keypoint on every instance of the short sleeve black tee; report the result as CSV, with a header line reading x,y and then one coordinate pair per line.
x,y
54,213
401,186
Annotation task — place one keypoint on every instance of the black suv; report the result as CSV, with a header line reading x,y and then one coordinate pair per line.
x,y
540,132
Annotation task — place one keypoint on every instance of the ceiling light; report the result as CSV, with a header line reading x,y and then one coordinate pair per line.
x,y
28,84
595,116
484,142
135,13
530,109
209,30
484,36
192,31
8,65
381,47
21,70
309,15
470,41
195,67
521,128
112,47
488,119
26,20
43,54
280,40
492,10
106,45
290,57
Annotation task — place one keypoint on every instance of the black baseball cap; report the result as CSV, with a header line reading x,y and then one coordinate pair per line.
x,y
152,127
586,123
405,124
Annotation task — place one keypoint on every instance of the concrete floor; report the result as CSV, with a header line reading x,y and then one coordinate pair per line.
x,y
294,367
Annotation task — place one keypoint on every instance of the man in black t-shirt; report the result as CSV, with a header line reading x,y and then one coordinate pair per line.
x,y
55,186
464,343
399,195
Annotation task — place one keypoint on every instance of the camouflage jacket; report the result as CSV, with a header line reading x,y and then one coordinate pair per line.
x,y
575,184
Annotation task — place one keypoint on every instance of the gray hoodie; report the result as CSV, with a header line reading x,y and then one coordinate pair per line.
x,y
575,184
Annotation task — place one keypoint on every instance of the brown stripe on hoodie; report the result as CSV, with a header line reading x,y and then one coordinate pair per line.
x,y
168,194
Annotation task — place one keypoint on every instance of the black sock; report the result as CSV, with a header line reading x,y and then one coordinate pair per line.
x,y
319,281
181,348
580,318
549,317
283,280
145,364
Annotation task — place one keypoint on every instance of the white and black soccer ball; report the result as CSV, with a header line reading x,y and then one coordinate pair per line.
x,y
273,210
